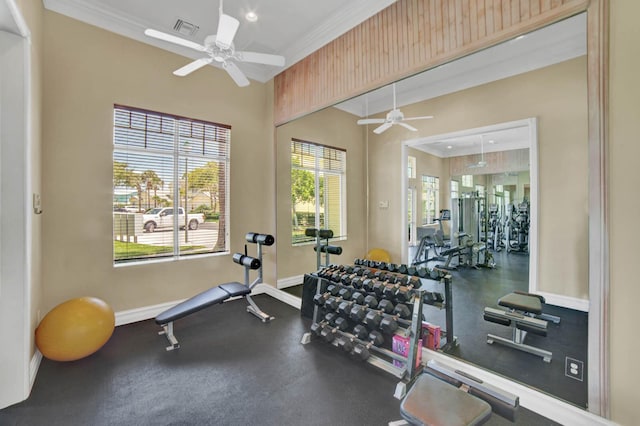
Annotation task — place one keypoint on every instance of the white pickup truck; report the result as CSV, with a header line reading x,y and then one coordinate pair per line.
x,y
162,217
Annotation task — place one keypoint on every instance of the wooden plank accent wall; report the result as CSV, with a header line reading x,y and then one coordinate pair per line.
x,y
407,37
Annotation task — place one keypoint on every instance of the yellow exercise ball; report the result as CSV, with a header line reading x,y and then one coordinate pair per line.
x,y
379,255
75,329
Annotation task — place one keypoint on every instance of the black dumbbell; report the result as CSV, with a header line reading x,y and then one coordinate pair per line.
x,y
344,308
341,323
360,331
391,278
345,293
372,320
319,299
388,325
333,289
403,269
331,304
345,344
358,313
392,267
367,285
402,311
382,265
357,282
423,272
376,338
414,282
412,270
357,261
327,334
346,279
316,328
371,302
335,277
330,317
378,288
386,306
404,294
389,292
357,298
360,352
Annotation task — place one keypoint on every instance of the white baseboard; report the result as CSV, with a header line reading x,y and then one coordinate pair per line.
x,y
140,314
34,366
565,301
290,281
282,296
531,399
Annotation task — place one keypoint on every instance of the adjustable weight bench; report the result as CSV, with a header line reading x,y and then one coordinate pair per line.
x,y
441,396
220,293
524,315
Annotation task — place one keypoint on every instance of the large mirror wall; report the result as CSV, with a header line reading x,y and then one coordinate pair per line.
x,y
375,192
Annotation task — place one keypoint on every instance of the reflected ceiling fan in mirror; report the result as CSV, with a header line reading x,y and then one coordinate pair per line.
x,y
395,116
480,164
219,48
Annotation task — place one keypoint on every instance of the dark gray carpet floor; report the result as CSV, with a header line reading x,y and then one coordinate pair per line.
x,y
231,370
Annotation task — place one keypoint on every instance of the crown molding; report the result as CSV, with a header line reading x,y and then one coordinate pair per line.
x,y
352,14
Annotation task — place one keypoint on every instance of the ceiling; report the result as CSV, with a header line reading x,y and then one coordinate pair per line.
x,y
290,28
294,29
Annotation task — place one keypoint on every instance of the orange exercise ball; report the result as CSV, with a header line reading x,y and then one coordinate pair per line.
x,y
75,329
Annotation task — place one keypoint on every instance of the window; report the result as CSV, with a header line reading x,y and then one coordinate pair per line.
x,y
430,198
455,189
480,190
163,164
467,181
411,167
318,189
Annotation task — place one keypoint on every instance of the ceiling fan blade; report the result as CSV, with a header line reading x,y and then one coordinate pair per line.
x,y
371,121
173,39
227,28
191,67
424,117
236,74
261,58
382,128
406,126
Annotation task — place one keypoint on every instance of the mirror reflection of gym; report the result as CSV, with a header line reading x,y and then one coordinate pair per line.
x,y
386,227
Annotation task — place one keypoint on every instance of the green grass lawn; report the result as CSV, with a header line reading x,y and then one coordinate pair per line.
x,y
124,250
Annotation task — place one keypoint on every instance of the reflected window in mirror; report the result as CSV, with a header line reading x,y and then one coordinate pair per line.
x,y
411,170
455,189
430,198
318,189
467,181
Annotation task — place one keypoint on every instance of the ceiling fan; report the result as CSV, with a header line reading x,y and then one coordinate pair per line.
x,y
395,116
480,164
219,48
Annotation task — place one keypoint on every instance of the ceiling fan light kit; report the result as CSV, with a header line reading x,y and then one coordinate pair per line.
x,y
220,49
395,116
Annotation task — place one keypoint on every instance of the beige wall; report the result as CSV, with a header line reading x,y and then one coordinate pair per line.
x,y
556,95
624,151
87,71
334,128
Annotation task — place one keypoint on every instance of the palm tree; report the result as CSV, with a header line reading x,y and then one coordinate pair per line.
x,y
151,181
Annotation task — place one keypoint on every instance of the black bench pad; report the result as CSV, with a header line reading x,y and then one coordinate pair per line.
x,y
434,402
235,289
521,302
203,300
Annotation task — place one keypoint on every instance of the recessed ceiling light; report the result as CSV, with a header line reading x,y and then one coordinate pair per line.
x,y
492,141
251,16
449,147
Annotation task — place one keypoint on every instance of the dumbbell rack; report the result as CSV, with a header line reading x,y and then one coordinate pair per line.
x,y
379,357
